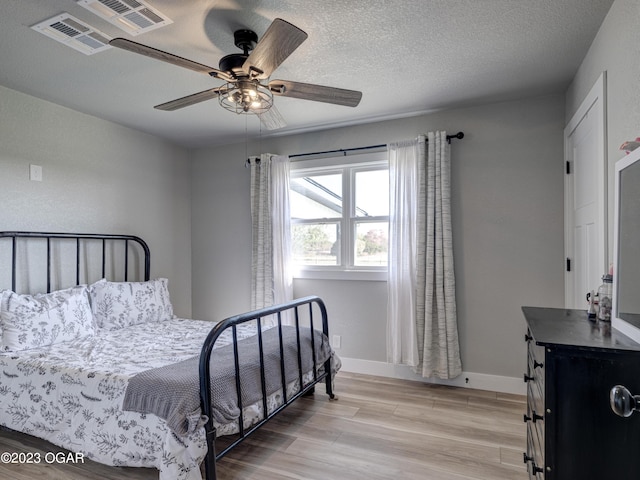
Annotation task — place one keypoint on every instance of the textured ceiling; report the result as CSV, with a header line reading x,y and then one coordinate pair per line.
x,y
407,57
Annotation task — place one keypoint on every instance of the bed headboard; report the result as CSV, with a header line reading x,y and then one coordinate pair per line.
x,y
30,260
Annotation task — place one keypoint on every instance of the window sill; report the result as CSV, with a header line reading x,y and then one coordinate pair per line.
x,y
358,275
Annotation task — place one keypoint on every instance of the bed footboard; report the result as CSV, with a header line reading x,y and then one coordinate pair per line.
x,y
291,308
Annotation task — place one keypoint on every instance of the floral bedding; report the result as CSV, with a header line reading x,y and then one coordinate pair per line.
x,y
70,393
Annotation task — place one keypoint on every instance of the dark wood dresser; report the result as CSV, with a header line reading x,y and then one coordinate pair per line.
x,y
572,433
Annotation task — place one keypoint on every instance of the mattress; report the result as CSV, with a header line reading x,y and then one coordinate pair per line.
x,y
71,394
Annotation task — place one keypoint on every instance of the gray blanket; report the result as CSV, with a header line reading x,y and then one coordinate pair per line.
x,y
173,392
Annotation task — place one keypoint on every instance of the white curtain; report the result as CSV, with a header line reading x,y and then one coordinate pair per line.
x,y
422,319
271,277
402,344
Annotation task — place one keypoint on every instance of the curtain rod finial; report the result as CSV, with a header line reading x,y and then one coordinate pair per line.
x,y
459,136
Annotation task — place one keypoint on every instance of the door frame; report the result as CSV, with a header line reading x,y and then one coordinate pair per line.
x,y
595,102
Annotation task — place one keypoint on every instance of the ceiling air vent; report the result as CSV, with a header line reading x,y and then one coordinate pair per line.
x,y
132,16
73,33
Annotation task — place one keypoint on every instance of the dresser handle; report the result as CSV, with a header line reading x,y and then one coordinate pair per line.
x,y
536,469
622,402
537,417
526,458
527,418
537,364
528,378
527,337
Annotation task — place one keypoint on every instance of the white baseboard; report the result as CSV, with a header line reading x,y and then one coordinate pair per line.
x,y
480,381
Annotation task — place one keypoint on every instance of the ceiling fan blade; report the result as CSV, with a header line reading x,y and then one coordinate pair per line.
x,y
317,93
189,100
277,43
141,49
272,119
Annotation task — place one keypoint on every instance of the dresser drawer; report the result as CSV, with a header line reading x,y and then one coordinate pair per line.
x,y
535,434
535,413
535,396
535,365
534,457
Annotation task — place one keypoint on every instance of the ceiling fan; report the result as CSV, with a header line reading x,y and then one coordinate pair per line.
x,y
245,74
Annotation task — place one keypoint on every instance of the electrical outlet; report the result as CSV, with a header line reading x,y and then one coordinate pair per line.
x,y
336,341
35,173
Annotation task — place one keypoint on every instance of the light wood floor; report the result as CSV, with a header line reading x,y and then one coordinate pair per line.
x,y
377,429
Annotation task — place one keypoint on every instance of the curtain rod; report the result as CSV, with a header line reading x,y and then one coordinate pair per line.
x,y
459,135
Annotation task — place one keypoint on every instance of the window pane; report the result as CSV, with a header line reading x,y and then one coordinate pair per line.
x,y
372,193
316,196
316,244
371,244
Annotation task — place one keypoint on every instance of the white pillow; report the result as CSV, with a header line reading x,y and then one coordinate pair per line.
x,y
121,304
31,321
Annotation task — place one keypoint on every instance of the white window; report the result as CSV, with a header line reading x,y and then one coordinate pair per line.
x,y
340,216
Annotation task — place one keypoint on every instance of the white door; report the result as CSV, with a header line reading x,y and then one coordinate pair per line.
x,y
585,199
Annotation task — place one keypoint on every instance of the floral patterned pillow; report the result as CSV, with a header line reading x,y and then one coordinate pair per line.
x,y
121,304
31,321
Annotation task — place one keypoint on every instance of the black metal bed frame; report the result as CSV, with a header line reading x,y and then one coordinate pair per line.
x,y
232,323
207,348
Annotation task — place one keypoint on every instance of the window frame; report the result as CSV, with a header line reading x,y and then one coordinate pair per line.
x,y
348,167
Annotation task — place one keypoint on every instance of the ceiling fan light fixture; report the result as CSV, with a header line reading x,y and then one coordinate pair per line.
x,y
246,97
244,73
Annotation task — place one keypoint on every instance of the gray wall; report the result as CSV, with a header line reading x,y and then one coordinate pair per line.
x,y
616,50
507,178
193,208
98,177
